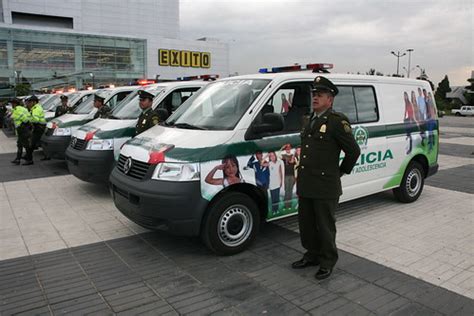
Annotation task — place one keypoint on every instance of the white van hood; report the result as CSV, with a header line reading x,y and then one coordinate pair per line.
x,y
108,128
68,120
181,141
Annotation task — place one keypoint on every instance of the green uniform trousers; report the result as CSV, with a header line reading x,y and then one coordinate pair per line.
x,y
317,224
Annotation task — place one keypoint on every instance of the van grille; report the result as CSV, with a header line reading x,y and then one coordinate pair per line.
x,y
138,170
78,144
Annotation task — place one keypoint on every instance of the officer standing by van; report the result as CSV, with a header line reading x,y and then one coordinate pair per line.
x,y
38,122
148,118
323,137
63,108
103,110
21,118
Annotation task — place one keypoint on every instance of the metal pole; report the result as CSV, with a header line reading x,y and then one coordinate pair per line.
x,y
409,61
398,55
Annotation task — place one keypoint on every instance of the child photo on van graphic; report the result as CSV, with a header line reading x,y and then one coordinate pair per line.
x,y
230,171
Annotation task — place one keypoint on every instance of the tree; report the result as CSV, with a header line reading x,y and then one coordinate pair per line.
x,y
469,94
22,89
371,72
440,94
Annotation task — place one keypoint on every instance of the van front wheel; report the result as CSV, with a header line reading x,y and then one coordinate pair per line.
x,y
412,183
231,224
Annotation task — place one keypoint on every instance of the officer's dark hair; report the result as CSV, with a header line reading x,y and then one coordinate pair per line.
x,y
258,152
233,159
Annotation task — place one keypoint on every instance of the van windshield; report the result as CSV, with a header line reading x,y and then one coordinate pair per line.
x,y
88,104
219,105
129,108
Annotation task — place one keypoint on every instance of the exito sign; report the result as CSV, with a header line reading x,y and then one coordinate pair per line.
x,y
184,58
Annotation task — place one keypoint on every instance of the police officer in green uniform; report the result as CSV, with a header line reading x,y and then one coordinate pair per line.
x,y
103,111
148,118
63,108
325,133
22,120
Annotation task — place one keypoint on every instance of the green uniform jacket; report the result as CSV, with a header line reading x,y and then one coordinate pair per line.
x,y
103,112
147,119
319,171
61,110
37,114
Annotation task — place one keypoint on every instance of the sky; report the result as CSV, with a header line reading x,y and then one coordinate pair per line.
x,y
354,35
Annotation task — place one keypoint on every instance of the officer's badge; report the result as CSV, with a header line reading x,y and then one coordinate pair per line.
x,y
144,121
155,121
323,128
347,126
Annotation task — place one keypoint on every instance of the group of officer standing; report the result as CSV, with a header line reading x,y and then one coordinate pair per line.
x,y
30,124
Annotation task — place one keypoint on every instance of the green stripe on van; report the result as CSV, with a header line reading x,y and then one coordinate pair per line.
x,y
116,133
74,123
275,143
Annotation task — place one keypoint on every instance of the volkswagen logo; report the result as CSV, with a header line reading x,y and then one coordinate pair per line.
x,y
73,141
127,165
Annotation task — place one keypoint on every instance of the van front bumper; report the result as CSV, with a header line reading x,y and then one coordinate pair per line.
x,y
55,146
90,165
176,207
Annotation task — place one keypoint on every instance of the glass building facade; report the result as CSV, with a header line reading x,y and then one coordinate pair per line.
x,y
48,59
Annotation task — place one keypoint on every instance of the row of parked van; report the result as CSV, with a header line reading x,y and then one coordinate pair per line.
x,y
200,171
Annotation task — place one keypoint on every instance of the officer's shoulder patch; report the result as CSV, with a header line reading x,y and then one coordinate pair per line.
x,y
347,126
155,120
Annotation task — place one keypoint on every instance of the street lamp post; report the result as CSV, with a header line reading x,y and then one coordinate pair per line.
x,y
92,76
398,55
409,60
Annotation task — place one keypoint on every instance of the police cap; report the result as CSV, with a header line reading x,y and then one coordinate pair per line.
x,y
15,101
142,94
98,98
63,97
33,98
324,84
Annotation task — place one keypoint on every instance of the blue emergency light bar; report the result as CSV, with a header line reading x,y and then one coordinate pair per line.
x,y
202,77
314,67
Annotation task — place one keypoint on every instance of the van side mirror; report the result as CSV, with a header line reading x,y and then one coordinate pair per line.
x,y
270,123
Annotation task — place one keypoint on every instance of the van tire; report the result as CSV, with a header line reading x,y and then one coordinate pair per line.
x,y
412,183
231,224
457,114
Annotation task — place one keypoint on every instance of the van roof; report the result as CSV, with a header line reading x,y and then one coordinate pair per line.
x,y
282,76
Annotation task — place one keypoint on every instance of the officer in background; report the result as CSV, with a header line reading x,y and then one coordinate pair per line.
x,y
148,118
63,108
21,118
3,113
38,122
103,111
323,137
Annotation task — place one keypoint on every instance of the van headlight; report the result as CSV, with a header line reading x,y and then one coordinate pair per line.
x,y
100,144
66,131
176,171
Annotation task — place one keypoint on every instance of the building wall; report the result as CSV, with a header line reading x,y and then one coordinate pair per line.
x,y
141,18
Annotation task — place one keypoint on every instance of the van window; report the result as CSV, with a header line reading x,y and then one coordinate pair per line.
x,y
358,103
176,98
112,102
292,101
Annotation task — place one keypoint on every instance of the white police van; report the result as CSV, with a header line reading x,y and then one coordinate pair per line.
x,y
215,169
58,131
90,156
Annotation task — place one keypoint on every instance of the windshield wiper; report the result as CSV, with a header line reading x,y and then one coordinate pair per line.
x,y
188,126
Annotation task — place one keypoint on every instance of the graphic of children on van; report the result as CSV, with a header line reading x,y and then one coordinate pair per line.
x,y
409,120
276,180
431,123
260,167
230,170
288,157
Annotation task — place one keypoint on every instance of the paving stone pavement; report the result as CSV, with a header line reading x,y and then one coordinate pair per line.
x,y
157,274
